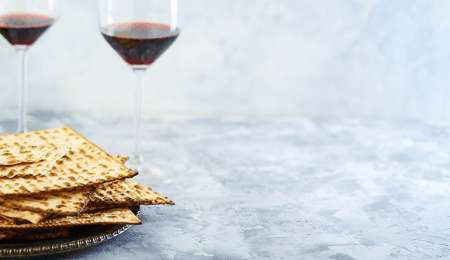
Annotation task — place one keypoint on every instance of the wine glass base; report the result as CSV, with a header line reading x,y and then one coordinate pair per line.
x,y
153,173
136,160
21,130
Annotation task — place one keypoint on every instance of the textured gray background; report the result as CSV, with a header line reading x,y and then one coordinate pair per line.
x,y
374,58
291,188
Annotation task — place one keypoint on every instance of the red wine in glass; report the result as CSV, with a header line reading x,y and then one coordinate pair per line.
x,y
23,28
139,43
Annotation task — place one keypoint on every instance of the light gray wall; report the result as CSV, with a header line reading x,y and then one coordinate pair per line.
x,y
325,57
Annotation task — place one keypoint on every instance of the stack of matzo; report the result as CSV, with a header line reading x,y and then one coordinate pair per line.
x,y
54,179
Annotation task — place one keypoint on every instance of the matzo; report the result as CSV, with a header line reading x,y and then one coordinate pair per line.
x,y
69,202
40,168
121,215
12,220
126,192
33,217
85,164
120,158
59,137
12,154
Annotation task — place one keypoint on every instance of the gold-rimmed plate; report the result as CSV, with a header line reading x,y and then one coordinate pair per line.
x,y
81,237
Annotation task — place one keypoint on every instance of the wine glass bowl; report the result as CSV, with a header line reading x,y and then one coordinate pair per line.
x,y
139,43
24,29
140,31
22,22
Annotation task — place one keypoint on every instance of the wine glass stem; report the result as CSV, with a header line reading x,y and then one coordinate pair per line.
x,y
22,115
138,74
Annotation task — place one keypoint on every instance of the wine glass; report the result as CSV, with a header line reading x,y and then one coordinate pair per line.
x,y
22,22
140,31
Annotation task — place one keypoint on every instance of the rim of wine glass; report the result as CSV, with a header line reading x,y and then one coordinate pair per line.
x,y
174,5
55,16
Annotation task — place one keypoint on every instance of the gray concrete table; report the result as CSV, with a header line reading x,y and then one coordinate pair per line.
x,y
280,188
